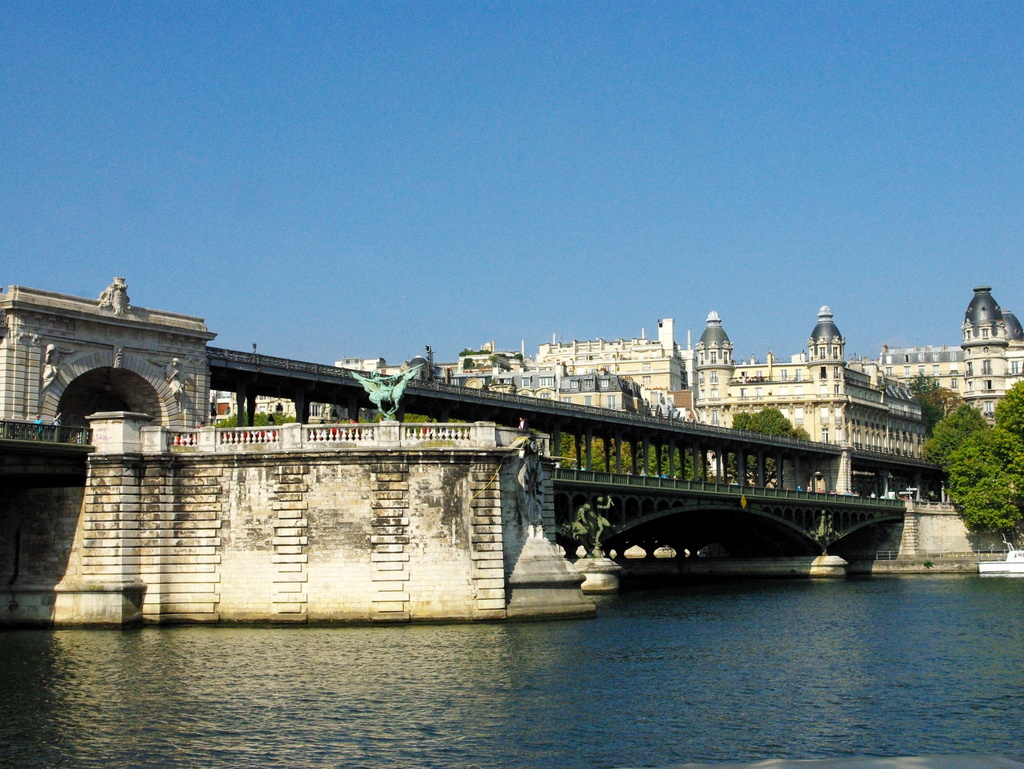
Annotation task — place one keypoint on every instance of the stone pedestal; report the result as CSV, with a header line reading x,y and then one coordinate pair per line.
x,y
828,566
601,575
543,585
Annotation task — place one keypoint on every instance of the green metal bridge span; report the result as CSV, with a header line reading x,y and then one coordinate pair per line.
x,y
747,521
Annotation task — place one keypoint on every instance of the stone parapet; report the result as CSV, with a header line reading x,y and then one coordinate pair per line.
x,y
301,438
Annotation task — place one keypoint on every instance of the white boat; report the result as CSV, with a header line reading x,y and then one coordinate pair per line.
x,y
1014,563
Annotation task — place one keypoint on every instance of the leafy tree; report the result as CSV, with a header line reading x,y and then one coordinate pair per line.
x,y
936,401
951,433
986,472
768,421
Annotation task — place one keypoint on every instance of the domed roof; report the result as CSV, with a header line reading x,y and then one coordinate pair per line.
x,y
1013,328
983,309
826,331
714,335
422,363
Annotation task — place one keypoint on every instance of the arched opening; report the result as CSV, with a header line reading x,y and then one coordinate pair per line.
x,y
107,389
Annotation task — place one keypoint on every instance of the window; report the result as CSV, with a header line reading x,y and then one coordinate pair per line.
x,y
888,370
645,367
547,381
646,379
525,381
824,435
836,389
920,370
984,333
784,375
986,368
906,371
953,385
714,416
714,392
611,402
797,375
588,400
743,392
823,374
757,392
714,357
574,384
935,369
714,377
988,384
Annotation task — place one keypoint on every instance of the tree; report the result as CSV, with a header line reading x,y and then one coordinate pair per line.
x,y
768,421
951,433
936,401
986,471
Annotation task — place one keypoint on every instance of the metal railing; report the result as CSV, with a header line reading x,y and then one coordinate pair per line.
x,y
989,554
320,371
713,487
19,430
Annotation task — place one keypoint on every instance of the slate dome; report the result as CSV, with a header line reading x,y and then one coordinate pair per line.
x,y
714,335
826,330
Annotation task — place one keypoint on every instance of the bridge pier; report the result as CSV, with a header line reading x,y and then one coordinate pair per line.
x,y
385,522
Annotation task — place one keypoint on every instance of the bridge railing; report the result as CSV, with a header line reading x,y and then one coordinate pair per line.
x,y
607,479
19,430
319,371
321,437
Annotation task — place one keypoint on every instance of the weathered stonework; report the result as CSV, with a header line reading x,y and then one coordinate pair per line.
x,y
275,531
71,356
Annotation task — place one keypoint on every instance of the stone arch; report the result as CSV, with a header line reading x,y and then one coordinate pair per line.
x,y
99,381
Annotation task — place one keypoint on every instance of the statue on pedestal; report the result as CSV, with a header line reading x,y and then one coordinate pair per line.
x,y
386,391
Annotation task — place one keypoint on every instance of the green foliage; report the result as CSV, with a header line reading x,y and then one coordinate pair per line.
x,y
768,421
936,401
986,469
260,420
951,432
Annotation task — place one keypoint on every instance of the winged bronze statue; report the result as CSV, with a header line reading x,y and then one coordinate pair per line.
x,y
386,391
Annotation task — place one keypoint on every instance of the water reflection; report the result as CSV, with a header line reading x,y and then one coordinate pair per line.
x,y
719,672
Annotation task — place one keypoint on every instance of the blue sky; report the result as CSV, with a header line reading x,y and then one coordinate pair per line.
x,y
363,179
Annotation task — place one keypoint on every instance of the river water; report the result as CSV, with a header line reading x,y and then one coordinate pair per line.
x,y
724,672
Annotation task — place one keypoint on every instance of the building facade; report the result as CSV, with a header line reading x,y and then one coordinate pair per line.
x,y
836,401
989,361
659,366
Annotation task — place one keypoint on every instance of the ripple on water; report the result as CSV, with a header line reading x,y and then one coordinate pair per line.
x,y
704,673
